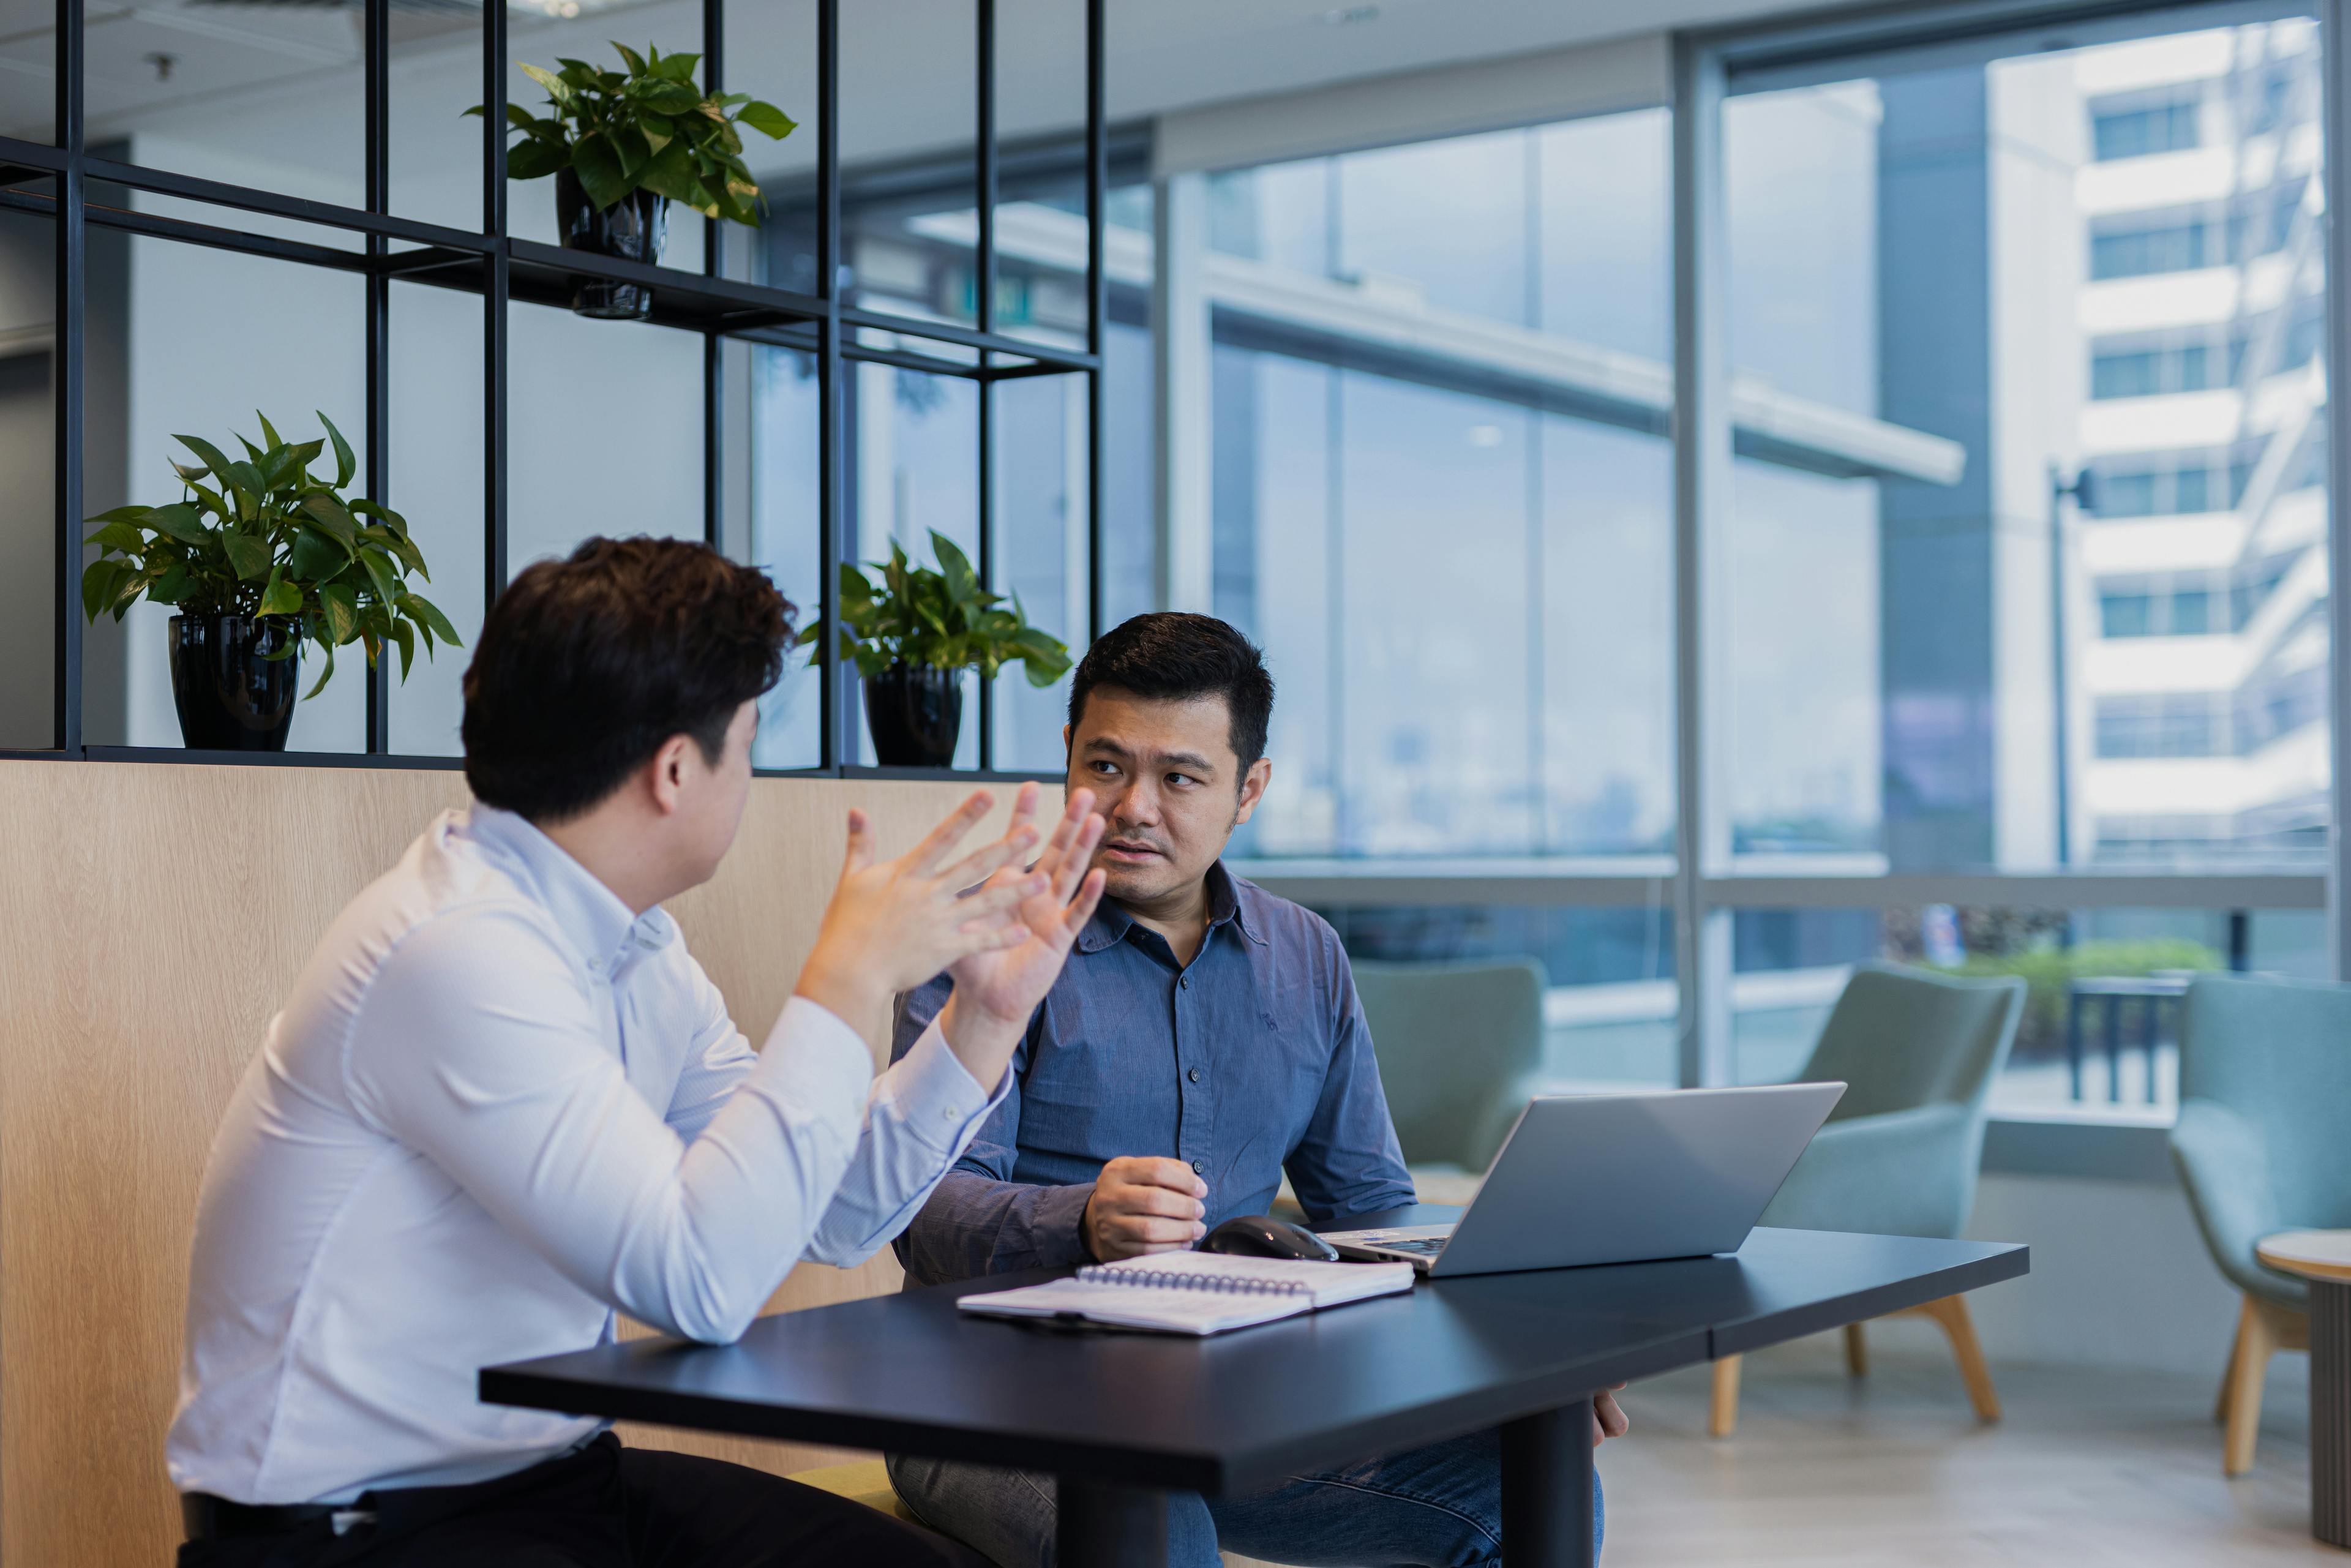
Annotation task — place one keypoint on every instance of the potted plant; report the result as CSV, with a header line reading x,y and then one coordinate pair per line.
x,y
914,634
623,145
258,561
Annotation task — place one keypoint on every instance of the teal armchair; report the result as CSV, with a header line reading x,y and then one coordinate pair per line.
x,y
1919,1052
1460,1050
2265,1073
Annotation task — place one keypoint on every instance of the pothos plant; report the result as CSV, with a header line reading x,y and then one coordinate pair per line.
x,y
941,618
649,127
264,539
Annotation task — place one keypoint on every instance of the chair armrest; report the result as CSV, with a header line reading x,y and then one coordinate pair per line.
x,y
2225,1168
1902,1173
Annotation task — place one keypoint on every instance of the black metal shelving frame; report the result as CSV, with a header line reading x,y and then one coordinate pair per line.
x,y
54,181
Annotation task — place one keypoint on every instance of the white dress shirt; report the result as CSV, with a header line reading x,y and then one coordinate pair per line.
x,y
494,1108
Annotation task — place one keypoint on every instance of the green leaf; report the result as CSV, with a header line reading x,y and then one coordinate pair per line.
x,y
180,521
678,67
329,513
316,557
422,610
537,160
600,172
636,61
268,433
248,554
671,98
517,116
391,518
98,581
381,573
280,597
212,457
634,150
121,514
557,87
250,484
345,464
341,606
325,675
405,636
671,173
123,537
767,119
962,582
172,585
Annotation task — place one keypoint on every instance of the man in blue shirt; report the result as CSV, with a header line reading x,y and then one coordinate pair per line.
x,y
1204,1038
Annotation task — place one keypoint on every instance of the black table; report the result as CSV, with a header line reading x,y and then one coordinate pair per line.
x,y
1118,1417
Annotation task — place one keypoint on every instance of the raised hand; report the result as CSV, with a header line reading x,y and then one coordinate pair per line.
x,y
997,987
893,925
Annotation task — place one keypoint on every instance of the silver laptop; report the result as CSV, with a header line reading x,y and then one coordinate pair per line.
x,y
1617,1179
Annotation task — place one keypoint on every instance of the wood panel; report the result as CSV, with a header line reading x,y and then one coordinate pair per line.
x,y
150,919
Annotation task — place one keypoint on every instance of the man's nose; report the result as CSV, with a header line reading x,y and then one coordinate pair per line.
x,y
1137,808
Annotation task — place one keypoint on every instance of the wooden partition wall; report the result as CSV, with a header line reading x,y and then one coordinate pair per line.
x,y
152,916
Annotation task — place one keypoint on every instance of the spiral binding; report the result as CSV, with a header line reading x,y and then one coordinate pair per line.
x,y
1174,1280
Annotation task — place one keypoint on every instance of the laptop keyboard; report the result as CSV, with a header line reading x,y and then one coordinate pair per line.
x,y
1421,1246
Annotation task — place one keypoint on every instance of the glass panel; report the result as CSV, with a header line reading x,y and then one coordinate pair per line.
x,y
785,540
2102,1006
437,484
771,54
1039,552
29,59
1608,1009
194,340
1129,536
913,440
28,551
1040,184
1511,694
434,155
2045,583
271,97
605,431
910,168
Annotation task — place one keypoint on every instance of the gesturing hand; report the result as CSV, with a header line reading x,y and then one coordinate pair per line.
x,y
997,987
1608,1418
893,925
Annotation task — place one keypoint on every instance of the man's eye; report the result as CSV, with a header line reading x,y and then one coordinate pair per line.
x,y
1103,767
1180,778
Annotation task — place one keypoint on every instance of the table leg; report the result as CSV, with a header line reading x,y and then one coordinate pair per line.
x,y
2330,1412
1547,1489
1103,1525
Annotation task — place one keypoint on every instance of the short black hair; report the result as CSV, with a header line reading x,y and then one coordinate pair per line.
x,y
586,667
1174,656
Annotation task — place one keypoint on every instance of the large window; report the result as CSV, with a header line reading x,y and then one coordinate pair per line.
x,y
298,216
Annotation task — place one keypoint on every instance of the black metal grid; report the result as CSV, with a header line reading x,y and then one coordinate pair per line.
x,y
500,268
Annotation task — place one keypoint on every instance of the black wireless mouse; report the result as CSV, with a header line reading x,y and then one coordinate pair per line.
x,y
1263,1235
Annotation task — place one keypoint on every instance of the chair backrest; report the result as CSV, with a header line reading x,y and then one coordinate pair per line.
x,y
2278,1054
1902,1038
1455,1043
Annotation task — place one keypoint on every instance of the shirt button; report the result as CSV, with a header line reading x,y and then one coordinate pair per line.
x,y
1193,1075
1184,982
1199,1167
950,1115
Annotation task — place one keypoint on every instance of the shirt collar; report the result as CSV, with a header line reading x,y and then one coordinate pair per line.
x,y
1225,902
587,911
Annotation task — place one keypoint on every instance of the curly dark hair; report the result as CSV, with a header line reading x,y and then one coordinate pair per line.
x,y
586,667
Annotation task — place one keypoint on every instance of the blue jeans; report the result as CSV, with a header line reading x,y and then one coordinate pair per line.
x,y
1437,1507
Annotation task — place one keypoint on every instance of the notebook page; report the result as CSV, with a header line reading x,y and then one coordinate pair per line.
x,y
1327,1284
1185,1311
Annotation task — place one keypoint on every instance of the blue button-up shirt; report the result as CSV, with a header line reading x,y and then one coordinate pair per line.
x,y
1251,1060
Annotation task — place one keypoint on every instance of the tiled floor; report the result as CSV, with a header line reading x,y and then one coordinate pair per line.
x,y
2089,1468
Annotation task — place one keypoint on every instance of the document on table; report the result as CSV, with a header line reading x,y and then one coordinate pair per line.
x,y
1195,1292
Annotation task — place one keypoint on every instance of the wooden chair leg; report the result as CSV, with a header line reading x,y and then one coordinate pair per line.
x,y
1856,1350
1951,1313
1723,1420
2247,1363
2229,1375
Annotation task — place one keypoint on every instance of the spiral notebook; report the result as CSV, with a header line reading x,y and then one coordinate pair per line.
x,y
1195,1292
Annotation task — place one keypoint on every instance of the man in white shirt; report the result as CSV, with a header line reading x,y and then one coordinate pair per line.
x,y
502,1102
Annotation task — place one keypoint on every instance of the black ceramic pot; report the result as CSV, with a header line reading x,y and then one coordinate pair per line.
x,y
230,697
914,713
634,228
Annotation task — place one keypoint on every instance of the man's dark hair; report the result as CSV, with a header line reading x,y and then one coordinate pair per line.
x,y
1172,656
585,667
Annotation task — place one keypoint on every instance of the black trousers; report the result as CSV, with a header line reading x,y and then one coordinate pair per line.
x,y
604,1507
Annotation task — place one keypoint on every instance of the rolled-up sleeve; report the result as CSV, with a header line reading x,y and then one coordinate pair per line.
x,y
978,1220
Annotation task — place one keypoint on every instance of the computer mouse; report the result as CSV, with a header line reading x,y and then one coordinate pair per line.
x,y
1263,1235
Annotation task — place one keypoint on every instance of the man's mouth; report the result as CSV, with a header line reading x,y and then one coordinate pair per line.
x,y
1130,854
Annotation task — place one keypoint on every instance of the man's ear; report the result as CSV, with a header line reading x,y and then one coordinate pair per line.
x,y
1253,783
666,774
1068,731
